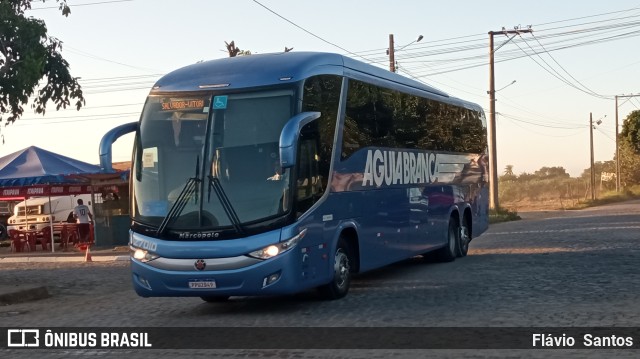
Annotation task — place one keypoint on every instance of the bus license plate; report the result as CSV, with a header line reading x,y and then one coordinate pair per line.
x,y
202,284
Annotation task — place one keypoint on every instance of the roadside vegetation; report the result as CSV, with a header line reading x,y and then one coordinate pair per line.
x,y
552,188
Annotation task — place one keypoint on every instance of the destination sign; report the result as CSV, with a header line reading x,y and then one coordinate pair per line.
x,y
182,104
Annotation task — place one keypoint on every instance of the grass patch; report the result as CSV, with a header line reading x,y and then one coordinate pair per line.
x,y
610,197
499,214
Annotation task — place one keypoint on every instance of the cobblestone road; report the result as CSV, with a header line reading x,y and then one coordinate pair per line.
x,y
578,268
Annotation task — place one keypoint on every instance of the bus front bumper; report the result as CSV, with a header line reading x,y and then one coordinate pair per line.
x,y
216,277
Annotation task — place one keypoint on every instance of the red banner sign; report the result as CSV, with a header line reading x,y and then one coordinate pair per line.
x,y
45,190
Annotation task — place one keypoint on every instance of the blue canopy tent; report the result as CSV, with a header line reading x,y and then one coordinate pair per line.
x,y
33,165
22,171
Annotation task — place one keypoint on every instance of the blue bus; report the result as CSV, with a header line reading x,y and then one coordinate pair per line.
x,y
278,173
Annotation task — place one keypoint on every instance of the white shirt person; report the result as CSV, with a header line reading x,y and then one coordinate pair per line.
x,y
83,217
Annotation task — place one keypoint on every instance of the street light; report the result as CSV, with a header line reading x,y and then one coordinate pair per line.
x,y
593,173
391,51
512,82
504,87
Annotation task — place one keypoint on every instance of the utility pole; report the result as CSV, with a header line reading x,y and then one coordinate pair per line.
x,y
593,173
493,155
617,152
392,59
618,186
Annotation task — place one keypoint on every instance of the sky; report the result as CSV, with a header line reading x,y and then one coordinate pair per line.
x,y
577,58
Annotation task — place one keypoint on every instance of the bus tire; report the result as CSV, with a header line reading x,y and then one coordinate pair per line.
x,y
449,251
464,237
216,298
341,280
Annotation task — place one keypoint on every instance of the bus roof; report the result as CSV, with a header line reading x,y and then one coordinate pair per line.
x,y
270,69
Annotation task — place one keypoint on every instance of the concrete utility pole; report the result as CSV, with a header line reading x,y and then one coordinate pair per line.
x,y
392,55
617,152
392,51
493,156
593,173
617,142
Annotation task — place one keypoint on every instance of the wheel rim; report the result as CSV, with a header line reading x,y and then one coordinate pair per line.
x,y
464,238
341,268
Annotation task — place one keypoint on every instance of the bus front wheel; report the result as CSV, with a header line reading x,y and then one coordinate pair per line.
x,y
339,285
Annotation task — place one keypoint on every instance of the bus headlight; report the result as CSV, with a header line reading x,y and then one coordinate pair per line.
x,y
278,248
141,254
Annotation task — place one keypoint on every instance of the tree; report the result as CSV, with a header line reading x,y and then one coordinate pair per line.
x,y
629,149
508,170
508,174
629,164
551,172
27,56
631,131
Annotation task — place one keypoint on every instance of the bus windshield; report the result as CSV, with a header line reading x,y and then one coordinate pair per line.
x,y
221,152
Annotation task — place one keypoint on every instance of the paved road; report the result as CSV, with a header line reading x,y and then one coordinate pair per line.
x,y
553,269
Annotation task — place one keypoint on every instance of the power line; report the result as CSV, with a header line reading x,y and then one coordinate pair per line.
x,y
588,90
79,116
605,134
84,4
540,124
95,57
587,17
307,31
515,121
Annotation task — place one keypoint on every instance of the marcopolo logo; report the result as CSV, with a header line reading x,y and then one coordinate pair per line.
x,y
23,338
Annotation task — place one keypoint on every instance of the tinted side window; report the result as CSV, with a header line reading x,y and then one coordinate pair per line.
x,y
321,93
381,117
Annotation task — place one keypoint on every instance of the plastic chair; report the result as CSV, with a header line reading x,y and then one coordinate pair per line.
x,y
73,236
32,239
19,241
44,237
58,228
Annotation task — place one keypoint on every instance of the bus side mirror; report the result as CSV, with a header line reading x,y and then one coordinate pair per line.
x,y
290,134
108,139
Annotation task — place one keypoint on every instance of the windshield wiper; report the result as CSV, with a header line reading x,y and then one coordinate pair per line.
x,y
190,189
214,183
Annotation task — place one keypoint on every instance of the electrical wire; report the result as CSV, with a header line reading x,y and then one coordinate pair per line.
x,y
84,4
540,124
307,31
528,130
605,134
556,74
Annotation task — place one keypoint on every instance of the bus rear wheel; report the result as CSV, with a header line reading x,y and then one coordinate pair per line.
x,y
339,285
448,252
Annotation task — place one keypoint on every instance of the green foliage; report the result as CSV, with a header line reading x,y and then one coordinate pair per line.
x,y
631,131
551,185
546,184
629,145
27,56
551,172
